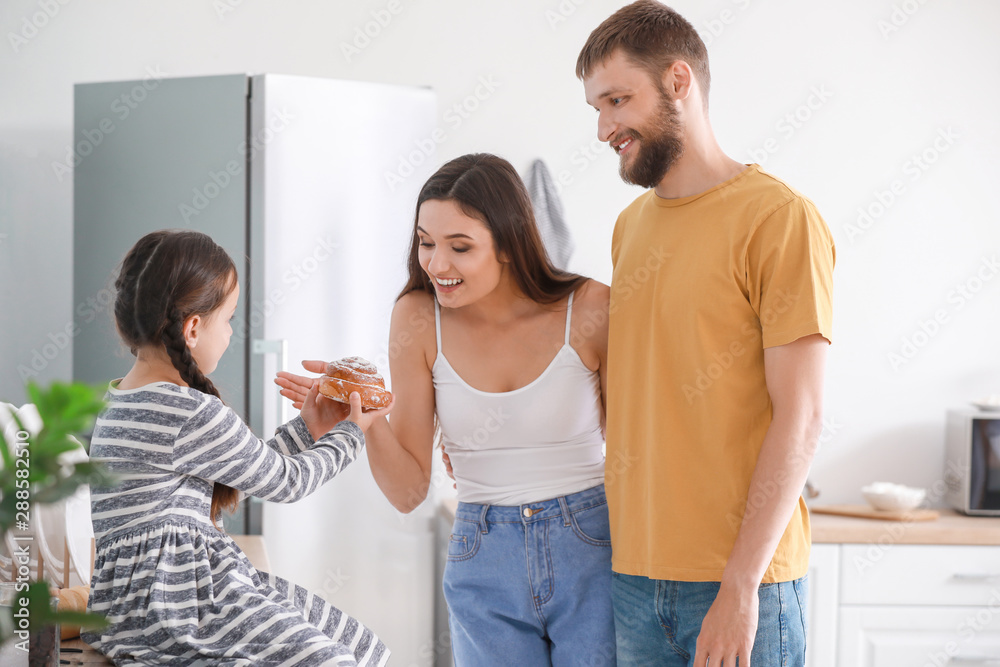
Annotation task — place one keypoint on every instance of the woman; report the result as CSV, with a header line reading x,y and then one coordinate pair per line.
x,y
506,355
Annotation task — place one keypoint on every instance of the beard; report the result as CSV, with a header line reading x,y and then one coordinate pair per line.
x,y
658,149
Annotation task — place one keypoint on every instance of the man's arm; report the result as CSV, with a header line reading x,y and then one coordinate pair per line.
x,y
794,374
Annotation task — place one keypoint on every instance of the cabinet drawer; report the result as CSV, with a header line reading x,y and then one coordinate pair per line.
x,y
920,575
919,636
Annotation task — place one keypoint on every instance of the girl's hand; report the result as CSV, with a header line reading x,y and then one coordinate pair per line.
x,y
321,414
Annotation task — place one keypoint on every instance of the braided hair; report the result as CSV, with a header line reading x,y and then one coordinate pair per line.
x,y
166,278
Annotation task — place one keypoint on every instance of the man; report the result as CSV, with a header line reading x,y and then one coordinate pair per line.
x,y
720,320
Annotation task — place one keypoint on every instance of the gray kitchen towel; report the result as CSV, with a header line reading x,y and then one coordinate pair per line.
x,y
549,214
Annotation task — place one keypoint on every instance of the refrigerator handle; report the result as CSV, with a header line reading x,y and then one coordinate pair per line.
x,y
280,348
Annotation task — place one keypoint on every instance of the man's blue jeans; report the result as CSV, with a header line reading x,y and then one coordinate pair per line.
x,y
657,622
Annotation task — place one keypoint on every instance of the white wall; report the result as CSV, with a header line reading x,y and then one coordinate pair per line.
x,y
879,97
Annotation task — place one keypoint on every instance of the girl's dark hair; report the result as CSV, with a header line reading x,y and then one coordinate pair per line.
x,y
167,277
487,188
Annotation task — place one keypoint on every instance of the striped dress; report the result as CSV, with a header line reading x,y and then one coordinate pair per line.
x,y
174,589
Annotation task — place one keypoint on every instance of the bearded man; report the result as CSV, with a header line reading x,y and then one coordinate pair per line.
x,y
715,364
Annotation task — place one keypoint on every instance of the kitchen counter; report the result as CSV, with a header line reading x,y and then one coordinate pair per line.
x,y
949,528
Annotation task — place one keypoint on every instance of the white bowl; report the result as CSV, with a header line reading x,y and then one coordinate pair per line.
x,y
990,403
893,497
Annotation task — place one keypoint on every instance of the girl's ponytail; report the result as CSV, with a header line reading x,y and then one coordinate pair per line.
x,y
223,497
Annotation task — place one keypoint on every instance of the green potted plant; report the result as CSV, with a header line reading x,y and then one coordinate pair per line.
x,y
34,472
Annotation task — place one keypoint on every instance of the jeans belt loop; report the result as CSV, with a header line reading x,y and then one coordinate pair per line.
x,y
564,506
483,526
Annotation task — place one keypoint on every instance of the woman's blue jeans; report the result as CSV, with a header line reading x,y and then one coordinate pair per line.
x,y
531,585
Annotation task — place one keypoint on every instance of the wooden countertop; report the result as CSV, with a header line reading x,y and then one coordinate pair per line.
x,y
949,528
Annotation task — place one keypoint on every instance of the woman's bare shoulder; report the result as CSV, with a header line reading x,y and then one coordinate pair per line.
x,y
593,295
589,335
413,322
416,302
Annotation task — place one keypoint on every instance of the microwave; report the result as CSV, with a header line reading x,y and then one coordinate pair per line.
x,y
972,461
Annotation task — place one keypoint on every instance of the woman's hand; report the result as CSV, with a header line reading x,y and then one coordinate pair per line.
x,y
295,387
447,466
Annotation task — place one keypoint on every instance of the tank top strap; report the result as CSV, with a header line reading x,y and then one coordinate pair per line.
x,y
569,317
437,327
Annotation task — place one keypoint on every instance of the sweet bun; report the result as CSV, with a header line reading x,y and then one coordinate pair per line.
x,y
352,374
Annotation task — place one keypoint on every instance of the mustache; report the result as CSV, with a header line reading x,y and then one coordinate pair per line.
x,y
618,138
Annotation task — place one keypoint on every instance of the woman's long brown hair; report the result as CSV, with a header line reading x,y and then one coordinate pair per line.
x,y
167,277
489,189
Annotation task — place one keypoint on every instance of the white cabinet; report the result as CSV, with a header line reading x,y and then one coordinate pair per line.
x,y
895,636
824,570
903,605
931,575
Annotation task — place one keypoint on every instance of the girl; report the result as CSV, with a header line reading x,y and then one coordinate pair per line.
x,y
174,588
506,356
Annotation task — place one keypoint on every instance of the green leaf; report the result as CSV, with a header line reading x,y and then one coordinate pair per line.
x,y
65,410
8,458
82,618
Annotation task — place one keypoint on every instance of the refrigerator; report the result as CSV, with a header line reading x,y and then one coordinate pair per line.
x,y
310,184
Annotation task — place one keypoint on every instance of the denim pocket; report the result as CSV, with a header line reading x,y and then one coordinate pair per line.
x,y
591,525
801,587
464,542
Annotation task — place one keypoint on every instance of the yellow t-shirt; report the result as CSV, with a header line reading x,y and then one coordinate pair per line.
x,y
701,285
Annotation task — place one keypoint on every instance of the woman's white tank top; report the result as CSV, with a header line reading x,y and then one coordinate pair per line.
x,y
534,443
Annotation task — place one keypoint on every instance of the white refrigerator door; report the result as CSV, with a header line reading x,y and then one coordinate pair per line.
x,y
329,233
